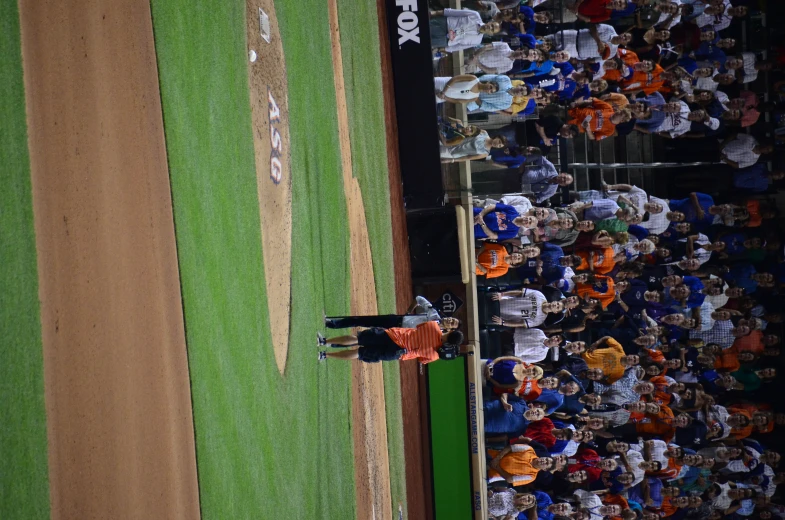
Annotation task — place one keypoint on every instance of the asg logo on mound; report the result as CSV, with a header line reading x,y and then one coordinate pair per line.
x,y
276,143
408,22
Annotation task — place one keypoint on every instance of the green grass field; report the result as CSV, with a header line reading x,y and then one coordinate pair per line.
x,y
265,442
24,477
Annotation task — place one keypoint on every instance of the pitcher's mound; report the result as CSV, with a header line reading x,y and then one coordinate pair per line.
x,y
270,113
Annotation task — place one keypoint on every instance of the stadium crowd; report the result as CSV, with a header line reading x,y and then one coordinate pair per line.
x,y
608,67
639,336
639,333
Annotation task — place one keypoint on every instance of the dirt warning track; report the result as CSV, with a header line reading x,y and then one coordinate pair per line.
x,y
120,428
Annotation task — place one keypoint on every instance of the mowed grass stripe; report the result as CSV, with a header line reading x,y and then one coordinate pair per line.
x,y
363,80
24,477
266,445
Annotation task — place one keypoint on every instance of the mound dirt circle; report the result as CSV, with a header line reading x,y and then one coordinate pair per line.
x,y
270,117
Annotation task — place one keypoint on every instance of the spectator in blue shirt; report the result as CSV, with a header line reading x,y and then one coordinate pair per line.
x,y
543,180
500,222
746,277
756,178
550,264
696,209
713,51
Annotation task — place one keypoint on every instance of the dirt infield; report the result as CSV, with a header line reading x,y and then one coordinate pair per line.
x,y
372,465
270,114
120,429
419,497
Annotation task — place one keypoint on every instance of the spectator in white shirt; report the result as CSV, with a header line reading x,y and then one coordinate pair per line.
x,y
742,151
750,66
486,8
597,43
720,17
625,193
459,29
678,124
592,503
498,58
635,464
657,222
712,83
532,345
655,450
723,21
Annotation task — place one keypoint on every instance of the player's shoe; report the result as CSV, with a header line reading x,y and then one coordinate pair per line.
x,y
320,341
322,356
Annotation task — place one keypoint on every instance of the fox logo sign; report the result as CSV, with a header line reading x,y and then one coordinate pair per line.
x,y
408,22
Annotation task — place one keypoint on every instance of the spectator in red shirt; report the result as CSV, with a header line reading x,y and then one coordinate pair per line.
x,y
596,11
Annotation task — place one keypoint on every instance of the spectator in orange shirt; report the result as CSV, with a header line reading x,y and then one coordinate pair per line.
x,y
377,344
740,422
600,261
752,342
595,287
493,260
613,67
727,360
646,78
529,390
596,118
756,217
746,418
661,425
614,499
519,464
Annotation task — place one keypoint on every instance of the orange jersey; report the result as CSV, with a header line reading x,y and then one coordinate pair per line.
x,y
660,424
728,360
629,58
602,289
667,509
600,124
648,82
753,208
603,260
661,395
528,391
518,464
750,409
611,500
752,342
747,411
420,343
493,257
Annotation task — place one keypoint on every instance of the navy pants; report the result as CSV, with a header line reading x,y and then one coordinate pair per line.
x,y
385,321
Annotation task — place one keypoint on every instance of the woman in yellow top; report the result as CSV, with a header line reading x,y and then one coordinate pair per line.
x,y
610,359
493,260
525,103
